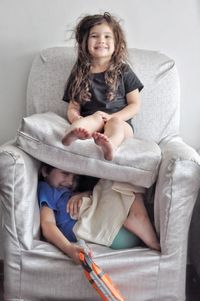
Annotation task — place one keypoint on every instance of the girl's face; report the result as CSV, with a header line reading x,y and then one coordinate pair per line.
x,y
59,178
101,43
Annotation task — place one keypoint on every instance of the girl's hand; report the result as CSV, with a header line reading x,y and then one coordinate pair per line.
x,y
104,116
74,205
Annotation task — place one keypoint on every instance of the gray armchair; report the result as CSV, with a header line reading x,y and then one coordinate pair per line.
x,y
36,270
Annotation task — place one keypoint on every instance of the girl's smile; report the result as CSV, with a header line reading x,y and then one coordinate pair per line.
x,y
101,42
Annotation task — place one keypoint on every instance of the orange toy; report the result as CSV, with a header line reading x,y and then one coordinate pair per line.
x,y
101,282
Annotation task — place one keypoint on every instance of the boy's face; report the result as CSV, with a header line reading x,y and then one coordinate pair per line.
x,y
101,42
59,178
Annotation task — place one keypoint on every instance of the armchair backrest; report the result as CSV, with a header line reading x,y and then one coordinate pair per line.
x,y
159,115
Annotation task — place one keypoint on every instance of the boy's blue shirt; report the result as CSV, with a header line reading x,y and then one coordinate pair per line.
x,y
57,199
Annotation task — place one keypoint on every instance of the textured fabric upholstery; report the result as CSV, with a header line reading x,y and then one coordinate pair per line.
x,y
159,115
136,161
194,242
36,270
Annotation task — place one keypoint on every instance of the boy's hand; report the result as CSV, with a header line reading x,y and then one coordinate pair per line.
x,y
86,249
74,252
74,205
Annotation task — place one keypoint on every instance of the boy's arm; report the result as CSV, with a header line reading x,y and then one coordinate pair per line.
x,y
75,203
55,236
73,111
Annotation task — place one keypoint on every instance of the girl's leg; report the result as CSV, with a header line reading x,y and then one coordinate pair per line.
x,y
139,223
115,131
83,128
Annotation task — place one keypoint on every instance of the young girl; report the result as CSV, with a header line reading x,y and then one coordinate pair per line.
x,y
67,216
102,90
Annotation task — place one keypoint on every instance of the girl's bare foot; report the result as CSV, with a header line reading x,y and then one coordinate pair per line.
x,y
77,133
105,144
141,226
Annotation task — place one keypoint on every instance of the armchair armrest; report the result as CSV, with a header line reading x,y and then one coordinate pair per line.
x,y
176,192
18,188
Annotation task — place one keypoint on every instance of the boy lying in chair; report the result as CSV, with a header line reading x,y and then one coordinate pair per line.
x,y
113,214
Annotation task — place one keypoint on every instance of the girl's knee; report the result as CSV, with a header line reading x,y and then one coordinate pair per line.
x,y
121,124
115,120
97,116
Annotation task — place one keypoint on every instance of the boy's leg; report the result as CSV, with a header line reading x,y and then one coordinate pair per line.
x,y
115,131
83,128
139,223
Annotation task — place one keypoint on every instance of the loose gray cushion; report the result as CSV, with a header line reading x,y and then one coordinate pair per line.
x,y
136,161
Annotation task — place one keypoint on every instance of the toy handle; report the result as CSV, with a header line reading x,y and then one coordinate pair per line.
x,y
85,247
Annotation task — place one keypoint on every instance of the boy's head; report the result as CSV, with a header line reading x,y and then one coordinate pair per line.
x,y
56,177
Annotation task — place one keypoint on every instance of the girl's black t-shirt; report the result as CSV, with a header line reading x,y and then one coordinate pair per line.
x,y
128,82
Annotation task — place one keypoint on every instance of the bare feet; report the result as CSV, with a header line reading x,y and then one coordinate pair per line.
x,y
105,144
77,133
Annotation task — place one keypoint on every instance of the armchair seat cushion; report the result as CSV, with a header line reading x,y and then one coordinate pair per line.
x,y
136,161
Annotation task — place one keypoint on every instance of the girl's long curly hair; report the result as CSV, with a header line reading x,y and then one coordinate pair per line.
x,y
80,77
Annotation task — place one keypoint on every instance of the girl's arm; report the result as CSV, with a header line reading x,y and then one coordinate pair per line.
x,y
73,111
55,236
133,107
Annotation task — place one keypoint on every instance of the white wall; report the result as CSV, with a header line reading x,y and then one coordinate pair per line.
x,y
27,26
